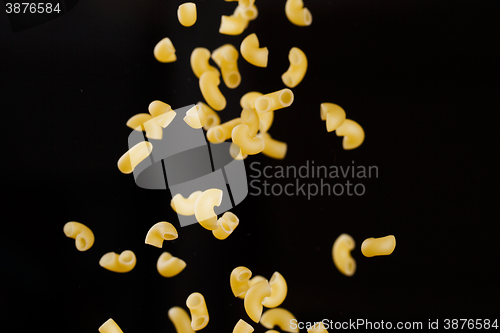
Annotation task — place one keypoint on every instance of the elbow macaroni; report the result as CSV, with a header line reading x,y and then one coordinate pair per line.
x,y
199,62
317,328
226,57
274,101
213,118
187,14
251,52
199,313
333,114
222,132
239,281
180,318
122,263
110,326
279,317
297,13
144,122
184,206
250,118
382,246
236,152
162,112
164,51
159,232
135,155
352,132
226,225
242,327
341,253
83,236
254,298
204,208
249,145
209,86
298,68
169,266
279,290
196,117
273,148
232,25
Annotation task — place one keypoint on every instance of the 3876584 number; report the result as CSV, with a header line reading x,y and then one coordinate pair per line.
x,y
470,324
31,8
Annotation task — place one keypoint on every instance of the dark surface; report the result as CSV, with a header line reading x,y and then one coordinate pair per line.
x,y
419,76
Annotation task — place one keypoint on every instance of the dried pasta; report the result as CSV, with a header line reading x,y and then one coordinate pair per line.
x,y
254,298
248,13
251,282
297,13
274,101
122,263
248,144
186,13
279,317
232,25
382,246
333,114
353,134
169,266
213,118
236,153
226,225
279,290
226,57
83,236
317,328
196,117
204,208
239,281
251,52
199,313
242,327
199,62
180,318
162,112
110,326
145,122
222,132
134,156
159,232
341,253
184,206
164,51
298,68
273,148
250,118
209,86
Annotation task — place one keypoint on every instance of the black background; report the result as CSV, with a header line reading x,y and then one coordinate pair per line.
x,y
419,76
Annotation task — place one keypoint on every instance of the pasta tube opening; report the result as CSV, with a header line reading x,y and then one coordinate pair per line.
x,y
159,232
274,101
83,236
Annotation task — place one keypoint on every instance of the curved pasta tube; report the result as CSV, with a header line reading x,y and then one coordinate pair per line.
x,y
252,53
153,129
251,282
145,122
279,290
266,118
333,114
248,100
122,263
249,145
353,134
317,328
83,236
382,246
236,153
204,208
254,298
273,148
196,117
248,13
159,232
226,225
242,327
297,13
199,62
250,118
279,317
209,86
239,281
213,118
180,318
298,68
341,253
169,266
162,112
164,51
110,326
226,57
222,132
274,101
135,122
184,206
134,156
232,25
186,13
199,313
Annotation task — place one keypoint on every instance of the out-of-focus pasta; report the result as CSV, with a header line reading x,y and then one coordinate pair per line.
x,y
110,326
353,134
180,318
199,313
341,253
209,86
298,68
169,266
134,156
274,101
164,51
184,206
297,13
122,263
226,225
279,317
382,246
187,14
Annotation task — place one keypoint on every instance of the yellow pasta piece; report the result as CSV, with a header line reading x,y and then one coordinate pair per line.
x,y
251,282
273,148
169,266
298,68
266,118
204,208
199,62
213,118
180,318
196,117
251,52
226,57
272,331
248,100
135,155
184,206
164,51
159,232
145,122
341,253
186,13
136,121
382,246
352,132
122,263
83,236
274,101
222,132
162,112
239,281
279,317
226,225
232,25
254,298
279,290
249,145
242,327
317,328
199,313
236,153
248,13
110,326
209,86
297,13
333,114
250,118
